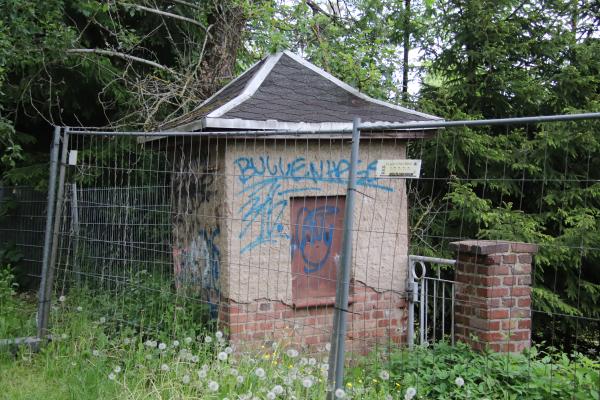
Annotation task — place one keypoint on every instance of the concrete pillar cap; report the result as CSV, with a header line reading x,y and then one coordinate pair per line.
x,y
487,247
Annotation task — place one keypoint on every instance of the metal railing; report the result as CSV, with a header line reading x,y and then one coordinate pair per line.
x,y
418,286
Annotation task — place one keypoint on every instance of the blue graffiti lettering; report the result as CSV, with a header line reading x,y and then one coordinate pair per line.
x,y
311,231
262,178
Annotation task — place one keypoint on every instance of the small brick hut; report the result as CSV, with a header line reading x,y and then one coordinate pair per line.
x,y
259,220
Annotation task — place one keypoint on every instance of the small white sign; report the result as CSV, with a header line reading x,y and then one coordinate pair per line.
x,y
73,157
399,168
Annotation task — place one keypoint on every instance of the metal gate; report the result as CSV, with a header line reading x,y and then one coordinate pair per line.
x,y
431,296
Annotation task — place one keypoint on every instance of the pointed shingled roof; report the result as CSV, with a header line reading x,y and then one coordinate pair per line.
x,y
284,91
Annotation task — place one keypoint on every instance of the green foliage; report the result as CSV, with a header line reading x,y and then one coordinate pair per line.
x,y
532,375
17,311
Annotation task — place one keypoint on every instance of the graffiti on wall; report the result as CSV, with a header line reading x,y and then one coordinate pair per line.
x,y
266,200
197,266
313,236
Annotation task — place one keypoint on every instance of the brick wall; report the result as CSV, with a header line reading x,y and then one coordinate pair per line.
x,y
493,294
374,318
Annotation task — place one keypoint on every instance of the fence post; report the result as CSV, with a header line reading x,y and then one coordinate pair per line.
x,y
75,233
54,149
335,379
52,228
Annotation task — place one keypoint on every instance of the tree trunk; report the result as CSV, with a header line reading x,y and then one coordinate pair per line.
x,y
406,49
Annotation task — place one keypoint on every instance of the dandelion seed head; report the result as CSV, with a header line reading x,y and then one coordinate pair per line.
x,y
202,374
95,353
271,396
234,372
195,359
228,350
186,379
307,382
164,368
102,320
213,386
240,379
312,361
79,308
112,376
277,389
222,356
62,299
219,335
175,343
292,353
117,369
208,339
459,381
328,346
384,375
162,346
64,336
410,393
259,372
188,340
126,341
340,394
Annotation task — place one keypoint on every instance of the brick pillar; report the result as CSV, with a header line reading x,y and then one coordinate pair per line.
x,y
493,294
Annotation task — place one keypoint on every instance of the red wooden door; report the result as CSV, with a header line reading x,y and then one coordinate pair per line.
x,y
316,243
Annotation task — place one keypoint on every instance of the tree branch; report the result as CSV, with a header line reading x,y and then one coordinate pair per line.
x,y
165,14
124,57
185,3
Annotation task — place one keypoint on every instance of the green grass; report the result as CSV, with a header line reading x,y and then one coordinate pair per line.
x,y
93,357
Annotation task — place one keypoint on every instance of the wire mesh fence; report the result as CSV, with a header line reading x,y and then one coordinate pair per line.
x,y
177,236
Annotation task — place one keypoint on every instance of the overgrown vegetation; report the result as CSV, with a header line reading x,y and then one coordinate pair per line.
x,y
97,357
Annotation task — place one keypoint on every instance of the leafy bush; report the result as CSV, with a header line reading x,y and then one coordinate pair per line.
x,y
446,372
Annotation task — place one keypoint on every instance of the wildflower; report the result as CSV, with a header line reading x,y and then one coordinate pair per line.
x,y
384,375
260,373
460,382
62,299
150,343
187,340
164,368
271,396
278,389
349,384
175,343
307,382
185,379
112,376
222,356
228,350
213,386
325,367
102,320
202,374
240,379
340,394
79,308
410,393
162,346
208,339
292,353
117,369
95,353
234,372
219,335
